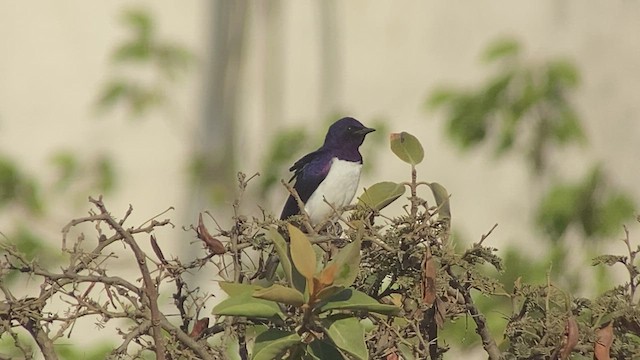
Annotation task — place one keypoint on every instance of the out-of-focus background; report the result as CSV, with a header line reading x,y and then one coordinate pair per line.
x,y
529,113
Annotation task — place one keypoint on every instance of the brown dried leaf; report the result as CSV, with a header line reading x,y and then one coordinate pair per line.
x,y
157,250
428,278
328,275
603,343
392,356
441,312
571,337
200,326
214,245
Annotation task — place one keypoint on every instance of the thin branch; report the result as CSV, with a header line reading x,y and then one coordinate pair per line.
x,y
306,219
488,343
150,288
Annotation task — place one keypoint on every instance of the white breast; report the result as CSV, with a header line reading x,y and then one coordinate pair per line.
x,y
338,188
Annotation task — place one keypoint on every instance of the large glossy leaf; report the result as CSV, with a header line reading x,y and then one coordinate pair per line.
x,y
231,288
272,344
407,147
302,253
347,262
380,195
347,333
283,253
281,294
242,303
442,200
321,350
350,299
329,291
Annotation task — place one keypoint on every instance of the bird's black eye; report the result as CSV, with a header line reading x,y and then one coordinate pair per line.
x,y
350,128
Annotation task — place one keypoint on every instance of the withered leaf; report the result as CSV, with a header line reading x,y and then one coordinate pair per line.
x,y
214,245
571,337
392,356
157,250
604,340
441,312
200,326
428,278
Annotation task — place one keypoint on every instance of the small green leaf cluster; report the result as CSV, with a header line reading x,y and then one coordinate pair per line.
x,y
526,108
592,204
165,59
520,96
314,314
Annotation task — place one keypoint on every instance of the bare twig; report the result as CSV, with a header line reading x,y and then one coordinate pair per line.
x,y
306,220
150,288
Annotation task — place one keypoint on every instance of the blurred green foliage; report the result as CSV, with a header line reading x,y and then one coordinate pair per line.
x,y
98,174
525,107
522,105
166,61
592,204
19,188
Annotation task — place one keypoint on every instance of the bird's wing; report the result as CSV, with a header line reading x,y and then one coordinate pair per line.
x,y
309,172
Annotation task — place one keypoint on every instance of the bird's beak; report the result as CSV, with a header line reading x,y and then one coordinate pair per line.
x,y
364,131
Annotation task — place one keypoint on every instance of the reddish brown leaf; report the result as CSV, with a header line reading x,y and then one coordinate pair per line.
x,y
441,312
328,275
214,245
428,278
604,339
200,326
157,250
570,338
392,356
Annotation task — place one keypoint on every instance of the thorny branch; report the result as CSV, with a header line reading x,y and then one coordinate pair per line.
x,y
85,279
87,286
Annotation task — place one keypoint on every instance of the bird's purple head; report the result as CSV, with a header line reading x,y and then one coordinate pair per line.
x,y
346,132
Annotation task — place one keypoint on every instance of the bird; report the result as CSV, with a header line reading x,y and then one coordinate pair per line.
x,y
330,174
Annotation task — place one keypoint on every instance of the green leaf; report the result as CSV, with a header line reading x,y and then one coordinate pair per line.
x,y
242,303
302,253
283,253
322,350
558,209
406,351
329,291
407,147
283,147
281,294
67,166
564,73
347,333
380,195
613,212
567,128
140,21
441,196
10,181
112,93
106,174
501,49
231,288
354,300
348,263
132,51
440,97
273,343
19,188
